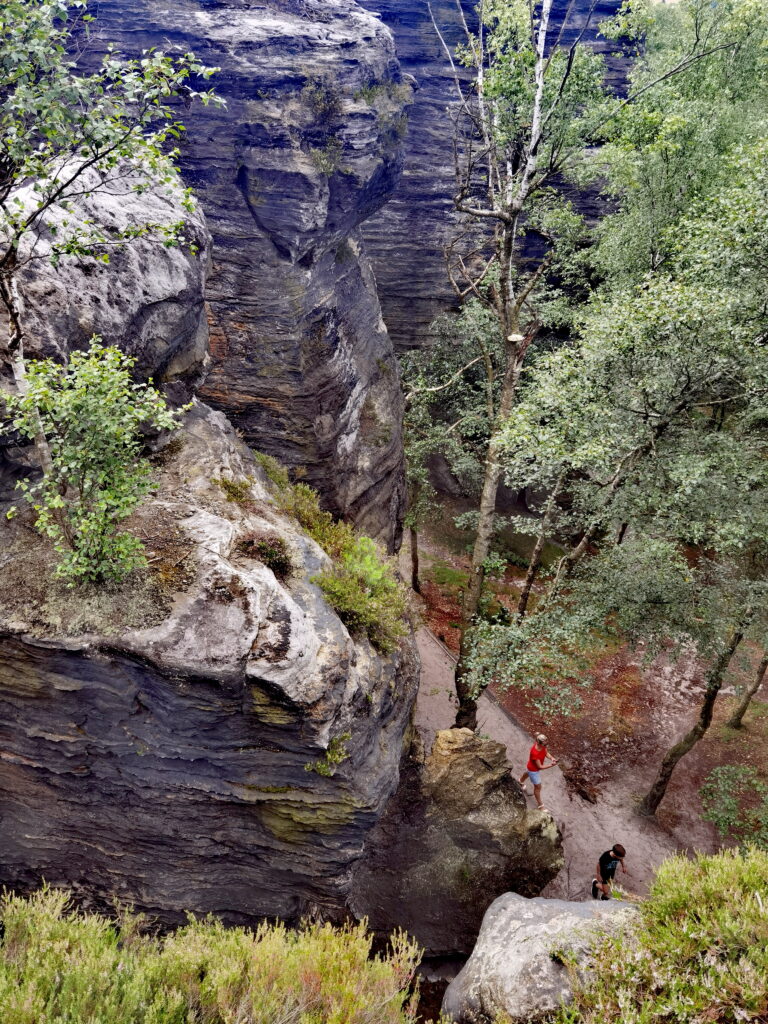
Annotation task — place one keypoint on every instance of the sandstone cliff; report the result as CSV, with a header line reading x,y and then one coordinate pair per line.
x,y
308,146
456,835
155,738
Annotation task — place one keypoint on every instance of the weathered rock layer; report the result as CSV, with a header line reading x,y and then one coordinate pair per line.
x,y
456,835
168,742
307,147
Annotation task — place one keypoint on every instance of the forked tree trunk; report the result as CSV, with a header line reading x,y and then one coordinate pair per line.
x,y
734,722
656,793
538,548
415,582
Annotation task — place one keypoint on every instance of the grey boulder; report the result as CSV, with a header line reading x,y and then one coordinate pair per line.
x,y
516,969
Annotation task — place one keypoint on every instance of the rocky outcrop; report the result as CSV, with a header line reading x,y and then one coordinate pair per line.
x,y
456,835
307,147
147,300
517,970
207,736
407,239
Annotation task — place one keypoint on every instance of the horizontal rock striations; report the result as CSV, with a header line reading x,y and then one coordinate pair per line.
x,y
308,147
207,738
456,835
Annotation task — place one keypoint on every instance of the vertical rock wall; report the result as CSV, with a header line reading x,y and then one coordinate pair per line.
x,y
308,147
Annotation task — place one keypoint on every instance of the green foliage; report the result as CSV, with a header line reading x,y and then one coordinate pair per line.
x,y
328,159
445,575
361,585
735,800
52,114
237,491
335,754
367,596
699,952
91,411
272,551
323,98
274,470
78,969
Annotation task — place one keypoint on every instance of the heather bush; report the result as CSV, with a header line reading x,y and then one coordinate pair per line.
x,y
57,966
699,952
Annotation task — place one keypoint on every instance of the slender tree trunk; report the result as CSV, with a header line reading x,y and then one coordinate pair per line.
x,y
9,294
656,793
535,561
466,716
415,583
734,722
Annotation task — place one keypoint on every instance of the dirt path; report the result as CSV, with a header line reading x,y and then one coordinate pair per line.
x,y
588,828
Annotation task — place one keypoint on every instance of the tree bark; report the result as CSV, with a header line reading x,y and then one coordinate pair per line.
x,y
9,294
415,582
535,561
655,795
734,722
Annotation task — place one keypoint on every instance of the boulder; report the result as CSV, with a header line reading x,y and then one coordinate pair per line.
x,y
456,834
148,300
308,146
517,969
206,736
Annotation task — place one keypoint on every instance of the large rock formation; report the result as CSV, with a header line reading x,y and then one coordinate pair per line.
x,y
407,239
518,970
147,300
456,835
206,737
308,146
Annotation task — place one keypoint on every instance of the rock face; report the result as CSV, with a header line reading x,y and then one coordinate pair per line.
x,y
168,741
148,300
407,239
456,835
308,147
516,970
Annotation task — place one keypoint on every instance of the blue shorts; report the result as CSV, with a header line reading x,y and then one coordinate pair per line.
x,y
535,777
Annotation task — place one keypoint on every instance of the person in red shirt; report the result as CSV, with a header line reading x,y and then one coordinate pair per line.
x,y
536,758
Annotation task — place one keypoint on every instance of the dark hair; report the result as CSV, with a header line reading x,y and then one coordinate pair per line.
x,y
618,848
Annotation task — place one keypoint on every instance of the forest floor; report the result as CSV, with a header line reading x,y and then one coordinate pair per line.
x,y
609,750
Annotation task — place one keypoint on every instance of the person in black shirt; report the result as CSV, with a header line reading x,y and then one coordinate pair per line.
x,y
606,870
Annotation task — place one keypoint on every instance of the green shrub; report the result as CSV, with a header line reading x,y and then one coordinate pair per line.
x,y
91,412
361,585
336,753
76,969
735,800
272,551
699,952
237,491
366,595
275,472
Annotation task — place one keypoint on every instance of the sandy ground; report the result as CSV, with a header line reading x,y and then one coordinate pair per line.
x,y
587,828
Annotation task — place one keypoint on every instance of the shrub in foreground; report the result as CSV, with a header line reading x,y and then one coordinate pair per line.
x,y
69,968
699,953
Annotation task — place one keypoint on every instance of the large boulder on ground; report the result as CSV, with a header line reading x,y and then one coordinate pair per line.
x,y
206,736
308,146
456,835
148,300
517,969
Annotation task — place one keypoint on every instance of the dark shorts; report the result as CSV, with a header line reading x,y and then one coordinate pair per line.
x,y
609,875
